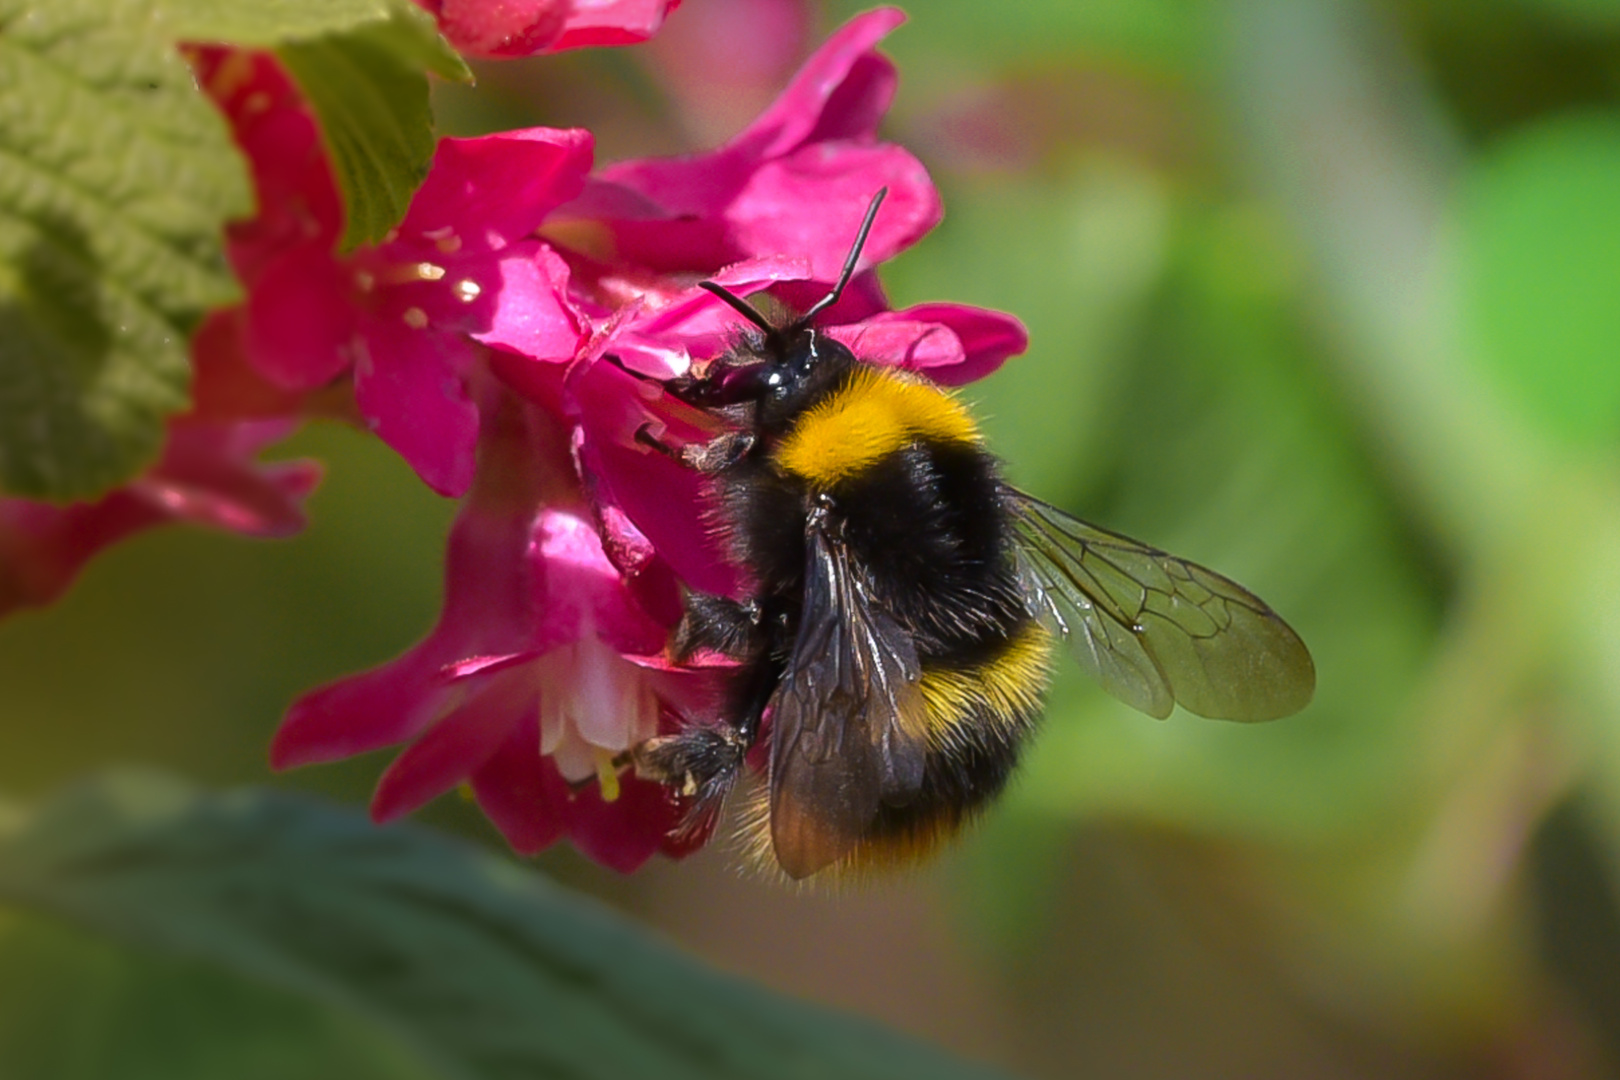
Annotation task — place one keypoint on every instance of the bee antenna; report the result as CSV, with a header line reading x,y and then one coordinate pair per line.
x,y
739,305
849,267
751,313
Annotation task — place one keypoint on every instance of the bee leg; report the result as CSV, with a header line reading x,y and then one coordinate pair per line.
x,y
717,454
701,764
731,628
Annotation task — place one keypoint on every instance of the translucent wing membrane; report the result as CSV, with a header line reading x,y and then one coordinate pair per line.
x,y
1156,630
848,723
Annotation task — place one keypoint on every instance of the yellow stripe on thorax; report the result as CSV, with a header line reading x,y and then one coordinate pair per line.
x,y
878,412
1009,686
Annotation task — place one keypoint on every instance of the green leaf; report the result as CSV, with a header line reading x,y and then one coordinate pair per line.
x,y
269,22
470,965
76,1006
371,97
115,178
1541,238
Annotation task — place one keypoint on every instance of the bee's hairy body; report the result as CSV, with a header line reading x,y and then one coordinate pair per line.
x,y
897,468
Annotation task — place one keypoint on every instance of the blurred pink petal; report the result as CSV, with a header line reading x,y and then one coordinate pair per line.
x,y
952,344
207,476
488,593
841,92
794,183
612,22
723,61
310,350
504,28
409,386
522,793
453,749
499,27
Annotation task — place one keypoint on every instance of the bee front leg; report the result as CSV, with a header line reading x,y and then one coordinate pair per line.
x,y
716,455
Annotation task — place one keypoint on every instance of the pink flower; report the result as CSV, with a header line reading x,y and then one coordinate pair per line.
x,y
811,159
206,476
402,316
526,27
546,664
406,313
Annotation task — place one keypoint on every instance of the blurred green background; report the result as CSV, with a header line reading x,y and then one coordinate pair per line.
x,y
1324,294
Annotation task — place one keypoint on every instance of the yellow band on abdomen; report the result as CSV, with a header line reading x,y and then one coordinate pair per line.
x,y
1007,688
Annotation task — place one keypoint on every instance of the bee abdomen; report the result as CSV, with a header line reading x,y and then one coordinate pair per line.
x,y
996,696
980,715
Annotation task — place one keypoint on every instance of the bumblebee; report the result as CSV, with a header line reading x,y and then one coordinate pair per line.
x,y
905,603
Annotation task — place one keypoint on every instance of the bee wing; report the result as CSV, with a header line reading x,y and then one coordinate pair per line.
x,y
1154,629
848,722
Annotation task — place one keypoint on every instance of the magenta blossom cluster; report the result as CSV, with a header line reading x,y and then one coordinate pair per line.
x,y
509,339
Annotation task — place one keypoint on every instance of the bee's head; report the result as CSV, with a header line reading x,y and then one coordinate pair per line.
x,y
796,360
796,371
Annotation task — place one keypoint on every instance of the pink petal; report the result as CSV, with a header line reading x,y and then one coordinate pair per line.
x,y
625,833
522,793
246,502
612,22
473,666
224,386
206,477
697,313
300,317
454,748
722,56
531,314
493,190
661,340
929,338
409,387
361,713
605,199
915,346
538,381
298,201
839,93
863,297
583,589
508,28
43,547
811,204
989,339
